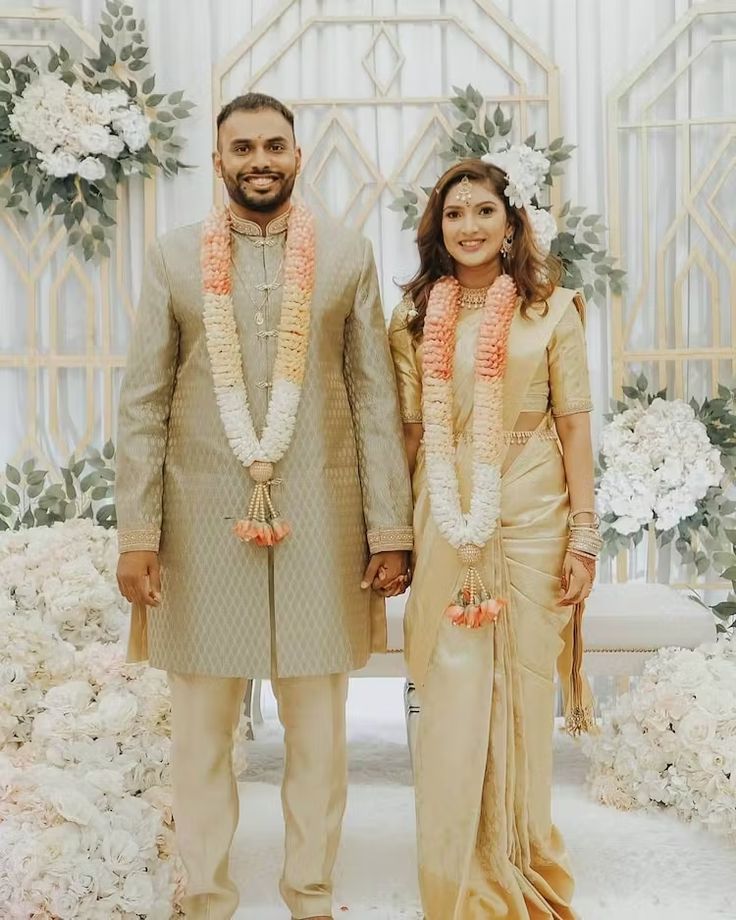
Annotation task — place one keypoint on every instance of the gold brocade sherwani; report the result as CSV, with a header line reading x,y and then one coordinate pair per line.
x,y
483,767
343,484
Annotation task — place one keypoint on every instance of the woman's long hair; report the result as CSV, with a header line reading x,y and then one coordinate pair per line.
x,y
534,274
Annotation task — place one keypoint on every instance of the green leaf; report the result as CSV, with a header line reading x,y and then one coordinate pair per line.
x,y
70,511
154,100
642,383
12,497
137,65
5,61
106,515
28,466
498,118
180,112
34,491
148,85
99,492
107,31
37,477
12,474
140,52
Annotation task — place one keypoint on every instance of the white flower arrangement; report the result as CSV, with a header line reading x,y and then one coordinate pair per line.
x,y
671,741
659,463
667,467
86,828
71,131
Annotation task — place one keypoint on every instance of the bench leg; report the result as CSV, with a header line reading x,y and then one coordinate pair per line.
x,y
411,712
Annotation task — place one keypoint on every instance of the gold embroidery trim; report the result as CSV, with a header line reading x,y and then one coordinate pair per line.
x,y
411,418
130,540
381,541
576,405
251,228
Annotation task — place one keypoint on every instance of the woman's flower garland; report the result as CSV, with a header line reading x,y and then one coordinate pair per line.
x,y
468,533
262,523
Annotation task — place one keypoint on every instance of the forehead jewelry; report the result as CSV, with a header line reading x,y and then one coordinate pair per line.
x,y
464,191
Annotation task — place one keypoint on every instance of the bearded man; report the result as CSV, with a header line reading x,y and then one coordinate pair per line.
x,y
263,497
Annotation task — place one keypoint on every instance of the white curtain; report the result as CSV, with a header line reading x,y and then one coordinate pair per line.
x,y
594,43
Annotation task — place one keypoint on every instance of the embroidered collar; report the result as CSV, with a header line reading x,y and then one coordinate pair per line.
x,y
251,228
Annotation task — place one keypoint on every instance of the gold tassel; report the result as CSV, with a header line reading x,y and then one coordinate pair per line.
x,y
579,716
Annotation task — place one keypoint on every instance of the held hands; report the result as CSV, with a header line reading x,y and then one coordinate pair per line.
x,y
577,581
387,573
139,578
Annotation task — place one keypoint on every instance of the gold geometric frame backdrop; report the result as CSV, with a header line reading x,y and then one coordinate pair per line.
x,y
379,127
672,162
65,322
672,181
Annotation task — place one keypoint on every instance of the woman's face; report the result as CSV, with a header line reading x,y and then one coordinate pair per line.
x,y
474,223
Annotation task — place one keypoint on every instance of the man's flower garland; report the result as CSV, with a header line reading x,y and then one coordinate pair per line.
x,y
262,523
468,533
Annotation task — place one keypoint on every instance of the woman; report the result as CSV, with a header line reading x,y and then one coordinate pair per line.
x,y
491,367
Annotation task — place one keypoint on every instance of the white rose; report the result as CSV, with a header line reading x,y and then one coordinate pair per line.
x,y
91,169
120,851
72,805
137,893
117,711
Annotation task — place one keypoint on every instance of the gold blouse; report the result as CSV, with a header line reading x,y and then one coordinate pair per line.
x,y
560,385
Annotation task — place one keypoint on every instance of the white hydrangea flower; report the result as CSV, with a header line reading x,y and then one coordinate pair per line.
x,y
525,168
59,165
134,127
544,226
659,464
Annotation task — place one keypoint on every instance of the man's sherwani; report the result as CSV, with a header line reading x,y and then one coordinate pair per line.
x,y
234,609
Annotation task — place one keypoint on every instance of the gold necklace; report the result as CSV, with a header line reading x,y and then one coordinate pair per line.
x,y
473,298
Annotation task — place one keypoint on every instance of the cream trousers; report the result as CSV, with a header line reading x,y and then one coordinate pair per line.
x,y
205,713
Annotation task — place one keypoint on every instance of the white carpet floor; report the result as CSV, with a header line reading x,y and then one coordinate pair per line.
x,y
637,866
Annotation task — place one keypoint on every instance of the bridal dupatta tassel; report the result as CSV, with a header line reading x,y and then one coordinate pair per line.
x,y
579,714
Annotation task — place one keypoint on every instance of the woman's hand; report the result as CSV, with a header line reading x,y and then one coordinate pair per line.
x,y
577,581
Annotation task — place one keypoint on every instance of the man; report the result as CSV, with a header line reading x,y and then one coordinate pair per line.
x,y
262,493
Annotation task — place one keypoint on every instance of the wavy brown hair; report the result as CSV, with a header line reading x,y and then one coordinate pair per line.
x,y
534,274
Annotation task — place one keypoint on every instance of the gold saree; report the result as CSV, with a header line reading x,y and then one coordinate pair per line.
x,y
483,769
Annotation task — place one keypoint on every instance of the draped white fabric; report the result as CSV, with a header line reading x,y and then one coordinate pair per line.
x,y
594,43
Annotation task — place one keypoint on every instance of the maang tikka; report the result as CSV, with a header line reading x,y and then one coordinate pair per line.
x,y
464,191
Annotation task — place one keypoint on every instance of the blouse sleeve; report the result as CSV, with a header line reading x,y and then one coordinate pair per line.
x,y
568,364
408,378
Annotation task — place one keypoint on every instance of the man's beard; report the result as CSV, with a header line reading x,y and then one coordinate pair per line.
x,y
253,201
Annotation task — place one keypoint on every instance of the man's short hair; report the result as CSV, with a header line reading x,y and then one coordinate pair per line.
x,y
254,102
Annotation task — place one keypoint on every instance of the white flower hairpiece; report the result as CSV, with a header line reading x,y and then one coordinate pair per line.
x,y
525,170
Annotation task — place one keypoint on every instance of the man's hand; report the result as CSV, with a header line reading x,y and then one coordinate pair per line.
x,y
384,568
139,577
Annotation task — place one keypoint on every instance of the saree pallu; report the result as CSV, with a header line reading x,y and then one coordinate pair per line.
x,y
487,847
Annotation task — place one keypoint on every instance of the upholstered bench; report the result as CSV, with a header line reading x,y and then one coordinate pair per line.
x,y
623,625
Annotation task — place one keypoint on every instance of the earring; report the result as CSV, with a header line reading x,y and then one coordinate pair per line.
x,y
508,242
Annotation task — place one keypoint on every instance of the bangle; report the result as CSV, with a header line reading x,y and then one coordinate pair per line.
x,y
588,562
596,522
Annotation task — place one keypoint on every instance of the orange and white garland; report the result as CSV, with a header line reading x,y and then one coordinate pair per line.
x,y
262,524
467,532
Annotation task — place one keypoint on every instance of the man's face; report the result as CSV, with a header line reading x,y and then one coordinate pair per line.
x,y
257,159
